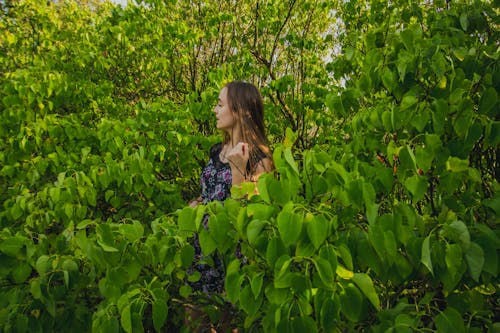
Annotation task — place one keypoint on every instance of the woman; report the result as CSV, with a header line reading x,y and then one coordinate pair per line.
x,y
242,156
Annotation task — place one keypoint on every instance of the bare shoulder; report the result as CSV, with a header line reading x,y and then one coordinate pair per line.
x,y
264,165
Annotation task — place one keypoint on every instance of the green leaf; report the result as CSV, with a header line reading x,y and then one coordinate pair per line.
x,y
325,271
50,305
187,219
132,232
260,211
351,302
368,194
35,288
377,239
256,283
329,314
207,243
105,238
417,186
441,109
42,264
453,259
341,171
126,319
21,272
464,22
365,283
327,252
283,277
262,187
458,231
21,323
475,260
463,121
304,324
247,302
275,249
391,246
317,230
91,196
160,312
450,320
389,79
289,227
55,193
254,229
69,265
424,158
277,296
187,255
289,159
408,102
12,245
426,254
488,101
232,286
454,164
372,212
185,291
355,191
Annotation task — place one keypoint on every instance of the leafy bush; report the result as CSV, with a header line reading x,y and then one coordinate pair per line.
x,y
382,214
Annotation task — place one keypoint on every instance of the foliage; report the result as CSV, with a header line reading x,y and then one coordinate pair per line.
x,y
382,214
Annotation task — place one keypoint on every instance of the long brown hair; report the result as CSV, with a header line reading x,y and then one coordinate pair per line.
x,y
246,102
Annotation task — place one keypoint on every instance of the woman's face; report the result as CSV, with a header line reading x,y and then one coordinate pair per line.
x,y
225,117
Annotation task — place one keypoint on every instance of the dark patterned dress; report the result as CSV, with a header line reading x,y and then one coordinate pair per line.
x,y
216,181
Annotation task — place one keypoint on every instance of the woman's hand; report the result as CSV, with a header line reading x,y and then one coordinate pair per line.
x,y
238,158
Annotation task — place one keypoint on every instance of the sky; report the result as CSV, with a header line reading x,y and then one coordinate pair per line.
x,y
121,2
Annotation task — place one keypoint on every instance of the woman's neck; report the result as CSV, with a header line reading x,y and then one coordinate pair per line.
x,y
233,138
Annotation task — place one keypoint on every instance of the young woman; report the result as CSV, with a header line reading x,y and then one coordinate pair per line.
x,y
242,156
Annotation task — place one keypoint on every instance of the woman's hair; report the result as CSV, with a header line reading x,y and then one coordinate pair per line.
x,y
245,100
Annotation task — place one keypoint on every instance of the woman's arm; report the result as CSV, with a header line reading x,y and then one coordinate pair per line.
x,y
238,159
195,202
239,176
264,165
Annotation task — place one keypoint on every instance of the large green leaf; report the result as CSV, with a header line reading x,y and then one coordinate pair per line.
x,y
289,226
426,254
126,318
365,283
417,185
12,245
248,302
325,271
475,260
351,302
207,243
304,324
160,313
450,320
317,229
187,219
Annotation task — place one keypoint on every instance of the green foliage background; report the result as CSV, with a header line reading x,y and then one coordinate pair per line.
x,y
382,215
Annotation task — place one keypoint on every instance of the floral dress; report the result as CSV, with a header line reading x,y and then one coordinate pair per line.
x,y
216,181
